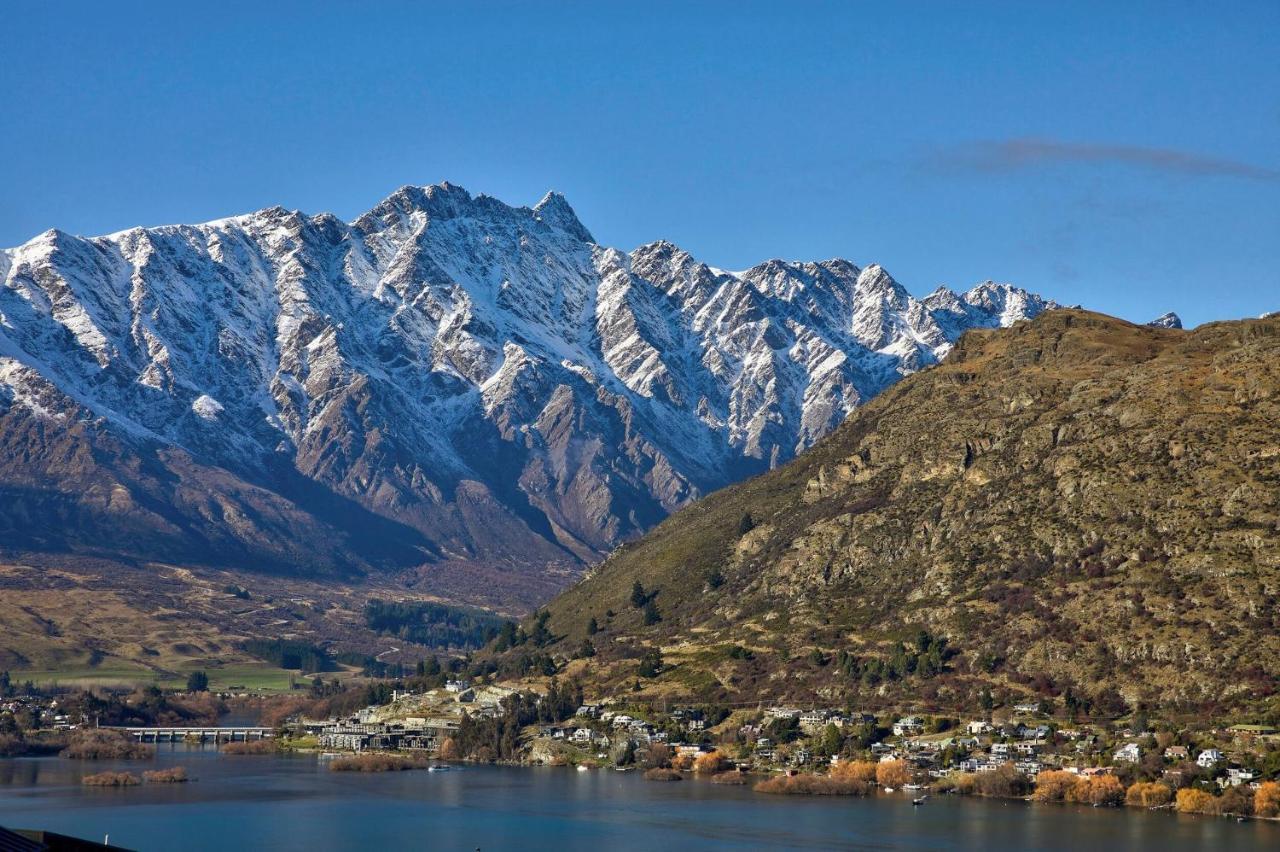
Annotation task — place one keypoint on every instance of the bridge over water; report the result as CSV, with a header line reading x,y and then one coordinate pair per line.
x,y
237,733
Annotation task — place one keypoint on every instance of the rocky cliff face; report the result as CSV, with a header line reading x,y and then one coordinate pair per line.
x,y
1075,503
446,381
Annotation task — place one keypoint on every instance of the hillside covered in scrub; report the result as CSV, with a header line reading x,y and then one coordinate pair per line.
x,y
1076,509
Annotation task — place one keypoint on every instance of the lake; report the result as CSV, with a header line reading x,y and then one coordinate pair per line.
x,y
295,802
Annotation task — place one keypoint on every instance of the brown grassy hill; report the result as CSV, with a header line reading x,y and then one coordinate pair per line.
x,y
1074,503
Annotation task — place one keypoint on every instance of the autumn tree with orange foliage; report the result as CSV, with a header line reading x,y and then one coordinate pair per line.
x,y
1193,801
1266,799
1148,794
682,762
858,771
892,773
1099,790
1055,786
711,762
449,749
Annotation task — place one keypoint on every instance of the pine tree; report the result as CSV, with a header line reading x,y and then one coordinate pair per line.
x,y
651,614
638,597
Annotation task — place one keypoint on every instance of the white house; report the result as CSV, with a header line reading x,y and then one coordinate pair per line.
x,y
1209,758
908,726
1129,753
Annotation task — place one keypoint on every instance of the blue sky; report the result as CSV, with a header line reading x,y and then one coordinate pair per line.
x,y
1125,156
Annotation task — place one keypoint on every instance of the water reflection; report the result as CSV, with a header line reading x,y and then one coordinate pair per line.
x,y
262,802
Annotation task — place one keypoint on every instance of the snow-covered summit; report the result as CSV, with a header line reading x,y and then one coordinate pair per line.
x,y
1169,320
461,366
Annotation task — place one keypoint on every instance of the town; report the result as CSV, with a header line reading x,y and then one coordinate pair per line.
x,y
1232,769
1023,751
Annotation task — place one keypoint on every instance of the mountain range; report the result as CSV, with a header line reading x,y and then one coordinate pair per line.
x,y
474,396
1073,509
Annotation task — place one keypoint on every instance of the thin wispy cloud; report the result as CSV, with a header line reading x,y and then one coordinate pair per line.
x,y
1009,155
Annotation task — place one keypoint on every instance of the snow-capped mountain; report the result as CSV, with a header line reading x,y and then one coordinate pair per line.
x,y
1169,320
447,380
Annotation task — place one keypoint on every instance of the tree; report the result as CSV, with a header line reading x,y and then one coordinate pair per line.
x,y
197,682
892,773
715,579
638,597
711,762
587,649
449,749
1104,790
985,700
540,635
1193,801
1072,703
861,771
593,627
1266,799
5,684
746,524
1148,794
651,614
1054,786
506,637
658,756
650,664
831,742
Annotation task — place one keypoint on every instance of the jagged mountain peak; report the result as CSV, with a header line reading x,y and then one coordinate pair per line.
x,y
554,209
1169,320
481,374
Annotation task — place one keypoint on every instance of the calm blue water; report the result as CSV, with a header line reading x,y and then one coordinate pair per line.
x,y
249,803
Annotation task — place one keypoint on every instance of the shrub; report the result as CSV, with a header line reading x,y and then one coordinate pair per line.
x,y
1193,801
110,779
1005,782
104,744
731,778
173,775
812,785
659,774
373,763
254,747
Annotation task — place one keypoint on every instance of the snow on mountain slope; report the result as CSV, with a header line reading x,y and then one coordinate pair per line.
x,y
1169,320
486,377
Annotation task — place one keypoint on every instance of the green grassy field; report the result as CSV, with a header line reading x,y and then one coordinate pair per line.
x,y
248,676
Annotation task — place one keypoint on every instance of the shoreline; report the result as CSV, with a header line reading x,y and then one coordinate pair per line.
x,y
422,763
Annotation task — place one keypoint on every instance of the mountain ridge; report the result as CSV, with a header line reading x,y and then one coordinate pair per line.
x,y
498,388
1075,505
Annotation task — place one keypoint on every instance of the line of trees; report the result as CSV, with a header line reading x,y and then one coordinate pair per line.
x,y
432,624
